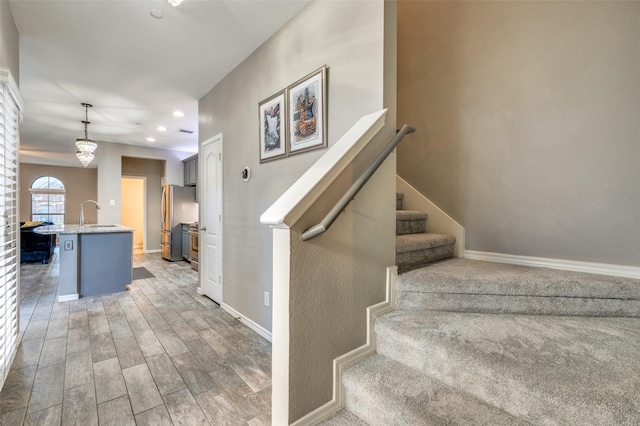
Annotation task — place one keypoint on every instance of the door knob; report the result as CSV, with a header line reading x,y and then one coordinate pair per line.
x,y
204,228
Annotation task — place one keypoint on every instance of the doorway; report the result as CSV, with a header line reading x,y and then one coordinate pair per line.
x,y
210,255
133,210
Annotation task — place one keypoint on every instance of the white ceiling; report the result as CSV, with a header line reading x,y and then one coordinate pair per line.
x,y
135,69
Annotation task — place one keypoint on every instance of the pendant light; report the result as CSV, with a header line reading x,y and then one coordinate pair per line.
x,y
86,146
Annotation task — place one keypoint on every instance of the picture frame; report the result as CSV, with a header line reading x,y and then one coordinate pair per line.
x,y
307,112
272,117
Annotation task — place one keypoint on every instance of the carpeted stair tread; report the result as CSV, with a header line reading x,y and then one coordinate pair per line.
x,y
479,277
343,418
384,392
415,242
545,369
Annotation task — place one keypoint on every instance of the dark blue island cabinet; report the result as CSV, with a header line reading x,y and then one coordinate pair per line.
x,y
94,259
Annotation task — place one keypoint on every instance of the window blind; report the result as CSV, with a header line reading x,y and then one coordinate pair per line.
x,y
9,255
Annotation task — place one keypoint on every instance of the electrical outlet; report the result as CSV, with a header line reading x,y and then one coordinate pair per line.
x,y
266,298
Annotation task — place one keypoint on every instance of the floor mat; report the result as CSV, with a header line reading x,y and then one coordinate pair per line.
x,y
141,273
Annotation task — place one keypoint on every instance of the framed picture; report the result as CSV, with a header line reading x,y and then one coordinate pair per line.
x,y
272,118
308,112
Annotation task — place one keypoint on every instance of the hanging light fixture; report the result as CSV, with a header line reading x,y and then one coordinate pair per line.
x,y
86,146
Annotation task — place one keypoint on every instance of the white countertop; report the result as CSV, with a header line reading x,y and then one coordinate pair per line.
x,y
85,229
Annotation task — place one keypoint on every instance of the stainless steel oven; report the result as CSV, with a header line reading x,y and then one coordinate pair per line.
x,y
193,245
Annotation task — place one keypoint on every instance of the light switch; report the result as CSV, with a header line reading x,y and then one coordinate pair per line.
x,y
68,245
112,202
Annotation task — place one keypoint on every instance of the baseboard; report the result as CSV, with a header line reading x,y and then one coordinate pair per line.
x,y
339,364
246,321
562,264
153,251
68,297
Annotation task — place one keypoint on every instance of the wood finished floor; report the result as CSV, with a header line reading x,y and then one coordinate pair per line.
x,y
158,354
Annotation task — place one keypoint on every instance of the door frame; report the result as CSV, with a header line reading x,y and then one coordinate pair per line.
x,y
144,207
202,200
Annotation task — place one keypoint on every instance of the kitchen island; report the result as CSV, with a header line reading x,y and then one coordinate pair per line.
x,y
94,259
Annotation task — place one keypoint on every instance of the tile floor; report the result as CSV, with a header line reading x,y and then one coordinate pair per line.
x,y
158,354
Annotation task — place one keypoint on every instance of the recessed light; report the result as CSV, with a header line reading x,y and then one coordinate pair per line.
x,y
157,13
162,128
178,113
151,139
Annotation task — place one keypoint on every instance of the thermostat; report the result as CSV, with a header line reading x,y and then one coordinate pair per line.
x,y
246,174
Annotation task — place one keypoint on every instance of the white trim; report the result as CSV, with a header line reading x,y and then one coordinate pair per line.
x,y
562,264
246,321
153,251
68,297
339,364
438,221
6,77
202,205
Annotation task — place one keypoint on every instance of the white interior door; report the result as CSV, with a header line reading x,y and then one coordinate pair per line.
x,y
211,218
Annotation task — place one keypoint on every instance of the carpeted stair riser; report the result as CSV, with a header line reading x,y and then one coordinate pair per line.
x,y
530,305
399,200
416,259
415,250
343,418
384,392
547,370
410,222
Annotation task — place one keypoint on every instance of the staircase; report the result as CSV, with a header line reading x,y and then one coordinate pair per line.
x,y
415,247
480,343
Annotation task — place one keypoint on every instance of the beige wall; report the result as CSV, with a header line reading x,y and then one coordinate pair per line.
x,y
153,171
81,185
9,44
133,208
336,276
527,123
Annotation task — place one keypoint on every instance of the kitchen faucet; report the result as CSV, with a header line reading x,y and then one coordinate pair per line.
x,y
82,210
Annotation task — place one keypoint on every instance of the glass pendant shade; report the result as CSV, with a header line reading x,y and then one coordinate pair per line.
x,y
85,158
86,146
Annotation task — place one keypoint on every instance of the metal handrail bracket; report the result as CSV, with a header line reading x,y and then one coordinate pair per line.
x,y
351,193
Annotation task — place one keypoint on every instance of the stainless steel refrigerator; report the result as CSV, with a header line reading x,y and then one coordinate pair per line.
x,y
178,206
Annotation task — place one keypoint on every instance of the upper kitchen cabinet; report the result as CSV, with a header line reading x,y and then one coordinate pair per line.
x,y
191,170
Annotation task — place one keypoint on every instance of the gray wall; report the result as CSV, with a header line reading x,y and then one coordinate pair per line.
x,y
153,170
350,45
81,185
527,118
9,43
336,276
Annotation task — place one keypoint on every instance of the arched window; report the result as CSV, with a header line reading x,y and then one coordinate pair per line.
x,y
47,200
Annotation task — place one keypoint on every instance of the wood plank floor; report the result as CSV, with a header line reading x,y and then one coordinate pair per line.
x,y
159,354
